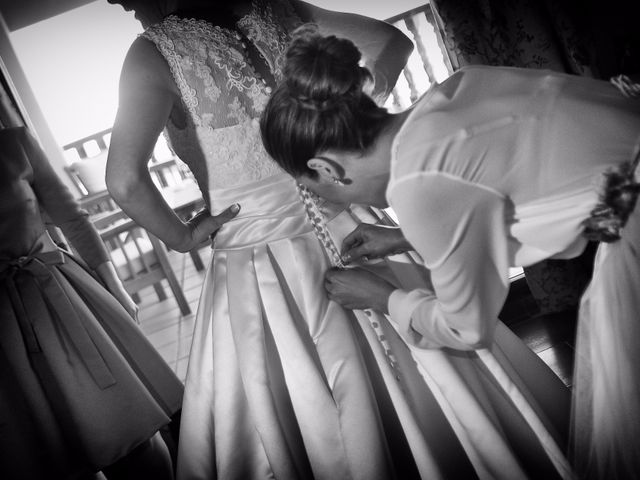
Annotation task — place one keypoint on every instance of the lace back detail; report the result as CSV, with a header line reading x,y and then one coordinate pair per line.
x,y
317,219
221,93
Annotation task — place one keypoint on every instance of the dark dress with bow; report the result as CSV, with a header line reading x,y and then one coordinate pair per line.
x,y
80,385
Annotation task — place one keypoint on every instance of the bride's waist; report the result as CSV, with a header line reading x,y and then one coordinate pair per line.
x,y
270,209
269,194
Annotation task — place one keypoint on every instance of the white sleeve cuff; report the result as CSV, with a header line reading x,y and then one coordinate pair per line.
x,y
402,304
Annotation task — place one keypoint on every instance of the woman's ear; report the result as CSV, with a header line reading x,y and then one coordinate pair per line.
x,y
327,170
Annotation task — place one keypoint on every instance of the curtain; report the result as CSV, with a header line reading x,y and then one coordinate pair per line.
x,y
517,33
9,111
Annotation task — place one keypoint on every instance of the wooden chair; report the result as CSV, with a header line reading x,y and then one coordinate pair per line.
x,y
98,203
139,257
87,174
87,159
168,173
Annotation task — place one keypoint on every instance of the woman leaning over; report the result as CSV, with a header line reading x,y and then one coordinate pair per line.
x,y
493,168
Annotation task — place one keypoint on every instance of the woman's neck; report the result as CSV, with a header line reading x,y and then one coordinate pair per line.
x,y
385,139
378,165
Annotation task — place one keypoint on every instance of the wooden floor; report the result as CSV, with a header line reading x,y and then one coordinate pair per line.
x,y
549,336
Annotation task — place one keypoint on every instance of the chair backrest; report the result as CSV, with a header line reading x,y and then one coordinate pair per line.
x,y
139,257
98,204
87,159
167,173
91,172
130,250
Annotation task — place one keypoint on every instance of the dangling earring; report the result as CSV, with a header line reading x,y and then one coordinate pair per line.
x,y
337,181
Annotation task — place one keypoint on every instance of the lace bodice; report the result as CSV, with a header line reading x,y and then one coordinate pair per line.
x,y
221,93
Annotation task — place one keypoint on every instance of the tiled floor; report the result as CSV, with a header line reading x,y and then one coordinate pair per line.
x,y
550,336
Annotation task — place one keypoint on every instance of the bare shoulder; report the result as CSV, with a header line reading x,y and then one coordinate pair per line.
x,y
145,67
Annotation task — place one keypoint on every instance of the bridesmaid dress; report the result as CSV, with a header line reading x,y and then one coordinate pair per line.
x,y
80,385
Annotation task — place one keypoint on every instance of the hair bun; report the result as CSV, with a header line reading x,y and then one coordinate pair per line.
x,y
321,71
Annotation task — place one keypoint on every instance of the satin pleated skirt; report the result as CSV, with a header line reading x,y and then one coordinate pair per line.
x,y
283,383
80,385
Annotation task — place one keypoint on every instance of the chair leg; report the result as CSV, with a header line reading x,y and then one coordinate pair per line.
x,y
197,261
171,277
177,292
160,291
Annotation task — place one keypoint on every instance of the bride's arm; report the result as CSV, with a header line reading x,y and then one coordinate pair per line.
x,y
385,48
147,96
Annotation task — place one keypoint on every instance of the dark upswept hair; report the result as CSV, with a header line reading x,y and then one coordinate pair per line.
x,y
320,104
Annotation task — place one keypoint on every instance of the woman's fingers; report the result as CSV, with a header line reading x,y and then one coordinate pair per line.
x,y
352,240
357,245
205,225
226,215
359,252
357,289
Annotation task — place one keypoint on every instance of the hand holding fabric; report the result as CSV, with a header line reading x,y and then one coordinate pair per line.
x,y
358,289
369,241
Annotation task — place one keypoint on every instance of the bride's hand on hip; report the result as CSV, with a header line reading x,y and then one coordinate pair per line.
x,y
204,226
369,241
358,289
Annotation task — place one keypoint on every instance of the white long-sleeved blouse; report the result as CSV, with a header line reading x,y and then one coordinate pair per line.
x,y
498,167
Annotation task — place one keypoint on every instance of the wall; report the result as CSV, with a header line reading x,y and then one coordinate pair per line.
x,y
35,118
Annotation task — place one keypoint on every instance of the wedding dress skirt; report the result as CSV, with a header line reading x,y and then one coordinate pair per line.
x,y
283,383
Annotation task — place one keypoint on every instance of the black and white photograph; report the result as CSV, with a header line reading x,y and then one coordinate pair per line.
x,y
319,240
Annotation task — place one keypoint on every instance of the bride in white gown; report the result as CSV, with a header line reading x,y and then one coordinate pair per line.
x,y
283,383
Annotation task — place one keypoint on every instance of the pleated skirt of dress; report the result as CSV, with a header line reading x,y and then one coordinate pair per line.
x,y
283,383
80,385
